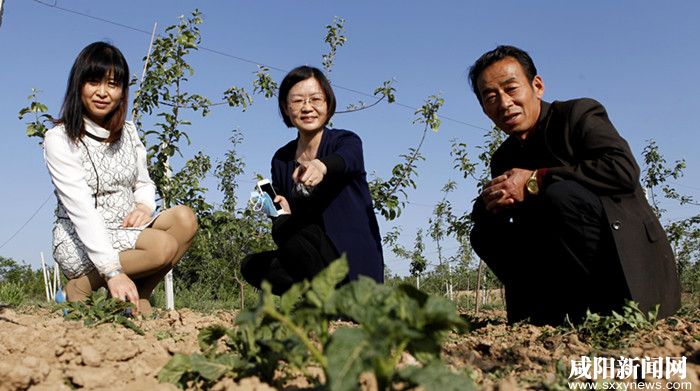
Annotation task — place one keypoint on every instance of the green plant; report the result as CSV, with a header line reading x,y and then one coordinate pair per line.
x,y
415,256
164,85
609,331
683,234
334,38
21,277
98,309
12,294
37,127
264,83
390,196
294,334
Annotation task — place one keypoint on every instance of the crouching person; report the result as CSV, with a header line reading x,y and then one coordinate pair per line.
x,y
105,232
320,182
564,222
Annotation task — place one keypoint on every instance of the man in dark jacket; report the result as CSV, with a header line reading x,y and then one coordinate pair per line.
x,y
564,223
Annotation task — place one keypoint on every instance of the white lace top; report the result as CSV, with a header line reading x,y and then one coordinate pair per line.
x,y
97,186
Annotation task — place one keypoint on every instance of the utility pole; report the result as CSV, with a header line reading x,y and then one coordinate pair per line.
x,y
2,7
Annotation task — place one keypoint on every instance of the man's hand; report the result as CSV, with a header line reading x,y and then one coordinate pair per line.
x,y
506,189
138,217
121,287
310,173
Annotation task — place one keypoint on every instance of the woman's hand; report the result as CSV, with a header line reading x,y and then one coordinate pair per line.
x,y
310,173
285,205
138,217
121,287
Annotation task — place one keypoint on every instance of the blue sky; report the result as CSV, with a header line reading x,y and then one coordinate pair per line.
x,y
639,58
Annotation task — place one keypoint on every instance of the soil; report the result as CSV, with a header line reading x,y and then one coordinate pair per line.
x,y
39,350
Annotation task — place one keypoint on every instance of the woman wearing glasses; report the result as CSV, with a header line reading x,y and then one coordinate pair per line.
x,y
321,184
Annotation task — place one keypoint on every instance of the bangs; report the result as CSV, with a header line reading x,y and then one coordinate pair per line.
x,y
94,62
100,63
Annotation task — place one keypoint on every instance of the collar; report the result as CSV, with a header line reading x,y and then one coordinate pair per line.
x,y
544,111
321,142
95,131
539,126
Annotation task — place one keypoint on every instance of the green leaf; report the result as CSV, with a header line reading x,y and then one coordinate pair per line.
x,y
345,358
208,336
324,283
124,321
173,371
290,297
442,312
38,107
24,112
354,299
208,369
436,377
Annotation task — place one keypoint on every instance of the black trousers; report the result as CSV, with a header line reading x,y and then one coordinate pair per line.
x,y
554,254
303,250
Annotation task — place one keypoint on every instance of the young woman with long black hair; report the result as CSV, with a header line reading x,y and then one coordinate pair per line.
x,y
106,233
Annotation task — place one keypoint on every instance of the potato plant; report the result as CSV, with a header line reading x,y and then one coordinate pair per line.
x,y
293,334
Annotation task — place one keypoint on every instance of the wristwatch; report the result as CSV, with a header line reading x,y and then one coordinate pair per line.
x,y
112,274
533,188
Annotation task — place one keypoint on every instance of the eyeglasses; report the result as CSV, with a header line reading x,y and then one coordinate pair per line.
x,y
317,101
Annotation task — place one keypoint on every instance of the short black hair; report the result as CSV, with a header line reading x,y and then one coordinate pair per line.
x,y
95,61
300,74
497,54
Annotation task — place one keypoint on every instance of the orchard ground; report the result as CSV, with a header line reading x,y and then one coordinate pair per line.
x,y
42,351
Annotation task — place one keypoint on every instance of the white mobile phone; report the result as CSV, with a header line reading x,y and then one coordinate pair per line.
x,y
265,186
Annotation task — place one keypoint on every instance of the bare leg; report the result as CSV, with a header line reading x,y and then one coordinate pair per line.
x,y
157,251
178,224
79,288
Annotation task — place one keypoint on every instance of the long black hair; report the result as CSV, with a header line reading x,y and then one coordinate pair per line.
x,y
94,62
300,74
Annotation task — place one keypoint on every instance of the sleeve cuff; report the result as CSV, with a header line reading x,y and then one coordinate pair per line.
x,y
540,176
109,266
334,163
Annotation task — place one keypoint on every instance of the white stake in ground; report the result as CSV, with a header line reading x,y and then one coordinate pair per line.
x,y
46,278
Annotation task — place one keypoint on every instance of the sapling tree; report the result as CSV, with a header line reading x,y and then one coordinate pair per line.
x,y
438,231
461,225
416,256
683,234
40,121
264,83
656,175
335,38
163,85
390,196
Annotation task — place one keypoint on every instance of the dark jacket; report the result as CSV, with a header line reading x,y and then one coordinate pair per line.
x,y
581,144
341,203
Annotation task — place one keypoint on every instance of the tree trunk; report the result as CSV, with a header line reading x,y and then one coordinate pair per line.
x,y
241,291
478,287
503,295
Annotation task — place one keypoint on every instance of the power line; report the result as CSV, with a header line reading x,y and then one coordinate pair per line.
x,y
243,59
54,5
28,220
682,185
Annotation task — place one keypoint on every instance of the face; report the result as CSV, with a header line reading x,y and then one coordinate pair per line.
x,y
306,106
100,98
508,98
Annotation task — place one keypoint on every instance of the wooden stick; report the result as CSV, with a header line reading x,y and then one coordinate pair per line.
x,y
143,72
55,281
46,282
